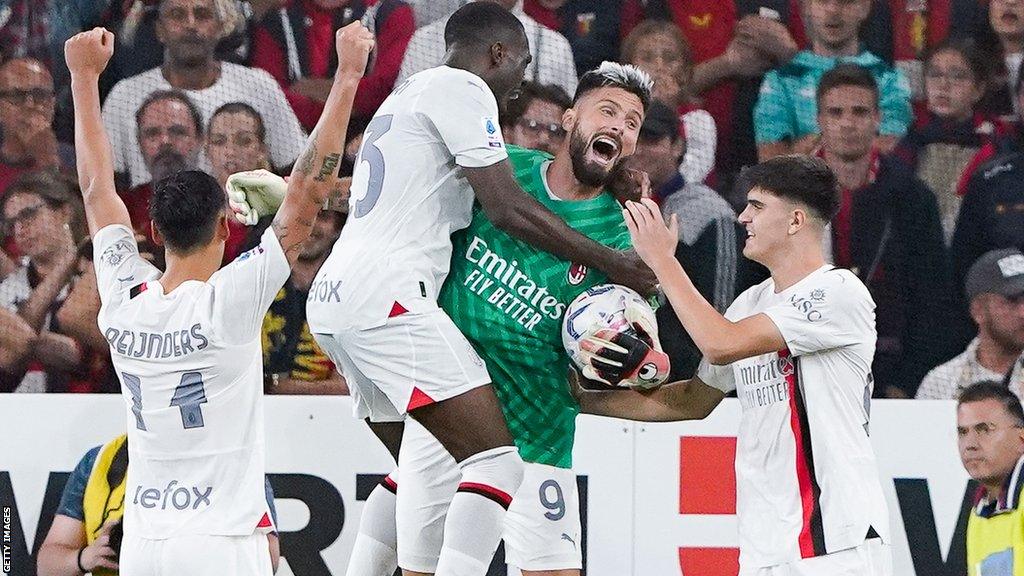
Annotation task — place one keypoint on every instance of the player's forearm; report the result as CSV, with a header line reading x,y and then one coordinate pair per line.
x,y
92,146
315,173
523,217
719,339
669,403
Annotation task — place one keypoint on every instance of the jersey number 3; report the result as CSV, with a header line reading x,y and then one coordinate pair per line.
x,y
372,155
188,397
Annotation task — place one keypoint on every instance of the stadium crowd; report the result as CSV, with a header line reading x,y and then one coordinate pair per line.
x,y
917,106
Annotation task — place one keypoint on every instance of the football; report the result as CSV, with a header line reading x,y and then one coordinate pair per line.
x,y
603,306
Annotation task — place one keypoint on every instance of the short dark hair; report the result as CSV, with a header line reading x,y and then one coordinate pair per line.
x,y
177,95
531,91
482,24
992,390
847,75
185,208
804,179
241,108
615,75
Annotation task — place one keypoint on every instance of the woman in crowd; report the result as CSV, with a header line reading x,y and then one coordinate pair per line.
x,y
950,130
51,298
236,141
660,49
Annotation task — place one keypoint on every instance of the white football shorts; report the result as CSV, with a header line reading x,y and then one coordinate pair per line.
x,y
542,527
872,558
200,555
412,361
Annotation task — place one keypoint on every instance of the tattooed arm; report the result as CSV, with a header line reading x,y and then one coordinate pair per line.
x,y
315,174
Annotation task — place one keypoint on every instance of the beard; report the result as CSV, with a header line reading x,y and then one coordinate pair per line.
x,y
587,172
165,163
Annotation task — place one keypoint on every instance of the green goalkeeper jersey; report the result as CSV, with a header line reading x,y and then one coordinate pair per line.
x,y
508,298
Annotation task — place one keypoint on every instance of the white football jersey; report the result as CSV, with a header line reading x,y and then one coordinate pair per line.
x,y
408,196
807,482
191,370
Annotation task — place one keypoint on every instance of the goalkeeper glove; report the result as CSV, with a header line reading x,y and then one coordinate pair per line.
x,y
254,194
626,358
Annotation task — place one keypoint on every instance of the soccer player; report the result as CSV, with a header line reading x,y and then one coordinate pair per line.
x,y
508,298
186,342
431,147
797,350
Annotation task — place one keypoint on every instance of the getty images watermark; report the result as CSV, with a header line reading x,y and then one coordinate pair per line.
x,y
7,540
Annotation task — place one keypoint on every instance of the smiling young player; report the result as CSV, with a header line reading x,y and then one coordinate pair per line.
x,y
797,349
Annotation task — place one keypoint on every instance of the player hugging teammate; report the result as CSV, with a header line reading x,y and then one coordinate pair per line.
x,y
508,298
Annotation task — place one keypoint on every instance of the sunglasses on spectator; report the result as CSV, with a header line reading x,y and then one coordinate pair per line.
x,y
20,97
25,215
553,129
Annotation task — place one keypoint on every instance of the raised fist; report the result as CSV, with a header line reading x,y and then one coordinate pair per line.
x,y
354,43
88,52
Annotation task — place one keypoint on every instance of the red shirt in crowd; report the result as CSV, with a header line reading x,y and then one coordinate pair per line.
x,y
312,28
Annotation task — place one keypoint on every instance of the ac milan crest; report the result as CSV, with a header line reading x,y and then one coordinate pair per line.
x,y
577,273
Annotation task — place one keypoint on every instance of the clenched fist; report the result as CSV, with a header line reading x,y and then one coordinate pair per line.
x,y
354,43
87,53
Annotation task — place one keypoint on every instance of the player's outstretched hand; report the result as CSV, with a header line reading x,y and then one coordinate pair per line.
x,y
87,53
630,184
653,240
354,43
254,194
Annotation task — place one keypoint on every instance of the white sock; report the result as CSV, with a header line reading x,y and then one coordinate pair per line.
x,y
374,551
476,516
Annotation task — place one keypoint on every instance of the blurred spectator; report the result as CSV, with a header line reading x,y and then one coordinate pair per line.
x,y
592,27
138,47
236,140
659,49
170,134
995,288
733,44
992,213
296,46
990,438
534,119
86,532
293,362
552,56
887,232
709,237
906,32
1004,40
27,140
189,31
37,29
945,137
784,117
427,11
52,292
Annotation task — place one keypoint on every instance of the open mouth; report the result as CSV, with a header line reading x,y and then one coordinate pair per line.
x,y
605,149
